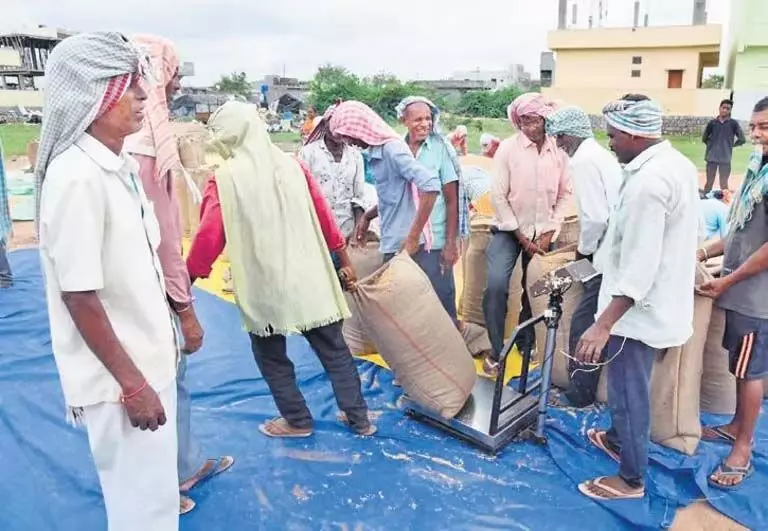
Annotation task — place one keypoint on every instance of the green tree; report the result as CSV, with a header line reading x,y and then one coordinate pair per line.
x,y
486,103
714,81
236,83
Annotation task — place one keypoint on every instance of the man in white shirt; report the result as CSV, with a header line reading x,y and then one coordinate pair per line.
x,y
596,176
111,327
646,300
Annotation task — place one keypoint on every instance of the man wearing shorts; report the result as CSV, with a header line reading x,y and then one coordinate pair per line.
x,y
741,293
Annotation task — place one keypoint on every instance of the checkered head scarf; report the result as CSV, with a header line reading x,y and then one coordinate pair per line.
x,y
570,121
637,118
356,120
86,76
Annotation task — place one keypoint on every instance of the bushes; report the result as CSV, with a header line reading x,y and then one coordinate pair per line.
x,y
487,104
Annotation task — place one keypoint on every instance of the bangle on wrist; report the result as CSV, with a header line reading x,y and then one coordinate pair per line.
x,y
133,394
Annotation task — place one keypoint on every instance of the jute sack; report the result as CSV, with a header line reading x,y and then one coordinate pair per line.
x,y
539,266
365,260
189,212
676,383
570,231
416,337
718,385
475,276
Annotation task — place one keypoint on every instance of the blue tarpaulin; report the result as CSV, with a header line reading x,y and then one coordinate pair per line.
x,y
409,476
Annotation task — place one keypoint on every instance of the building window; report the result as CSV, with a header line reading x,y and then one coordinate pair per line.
x,y
637,60
635,73
674,79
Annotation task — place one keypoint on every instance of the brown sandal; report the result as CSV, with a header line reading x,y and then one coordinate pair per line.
x,y
365,432
598,440
280,429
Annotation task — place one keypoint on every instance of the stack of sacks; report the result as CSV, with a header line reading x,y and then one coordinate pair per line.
x,y
676,383
569,234
192,155
475,279
415,336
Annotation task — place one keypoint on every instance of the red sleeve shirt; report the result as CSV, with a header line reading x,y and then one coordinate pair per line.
x,y
210,240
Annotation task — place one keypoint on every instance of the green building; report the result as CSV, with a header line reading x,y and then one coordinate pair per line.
x,y
747,68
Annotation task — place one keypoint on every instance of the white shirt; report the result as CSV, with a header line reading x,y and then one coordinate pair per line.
x,y
596,176
94,237
341,182
651,248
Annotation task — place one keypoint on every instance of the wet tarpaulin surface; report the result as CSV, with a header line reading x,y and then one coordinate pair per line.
x,y
408,477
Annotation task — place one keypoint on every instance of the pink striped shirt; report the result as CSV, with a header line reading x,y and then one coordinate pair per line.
x,y
530,189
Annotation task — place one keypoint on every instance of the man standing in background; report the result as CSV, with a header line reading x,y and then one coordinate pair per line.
x,y
596,178
721,135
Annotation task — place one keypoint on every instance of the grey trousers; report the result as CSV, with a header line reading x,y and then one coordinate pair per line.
x,y
278,370
713,168
502,254
629,387
583,385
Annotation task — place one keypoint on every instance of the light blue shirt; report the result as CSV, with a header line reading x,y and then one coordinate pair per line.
x,y
434,156
394,170
714,214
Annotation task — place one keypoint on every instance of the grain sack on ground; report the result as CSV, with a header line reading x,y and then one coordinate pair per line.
x,y
540,266
475,275
718,385
416,337
676,383
365,261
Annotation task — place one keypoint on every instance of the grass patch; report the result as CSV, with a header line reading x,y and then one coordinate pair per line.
x,y
16,136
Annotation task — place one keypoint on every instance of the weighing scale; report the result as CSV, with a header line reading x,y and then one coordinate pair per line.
x,y
494,413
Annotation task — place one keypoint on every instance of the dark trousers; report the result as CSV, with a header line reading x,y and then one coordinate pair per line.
x,y
583,385
502,254
441,278
6,278
629,387
329,346
713,168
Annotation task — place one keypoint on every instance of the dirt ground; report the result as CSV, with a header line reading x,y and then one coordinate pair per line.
x,y
697,517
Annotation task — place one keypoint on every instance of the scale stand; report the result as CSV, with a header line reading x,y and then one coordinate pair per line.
x,y
494,413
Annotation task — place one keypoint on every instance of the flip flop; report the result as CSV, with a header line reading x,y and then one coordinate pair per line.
x,y
368,431
186,504
280,429
597,438
220,465
490,368
723,470
615,494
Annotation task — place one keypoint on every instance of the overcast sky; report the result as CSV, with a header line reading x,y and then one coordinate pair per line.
x,y
414,39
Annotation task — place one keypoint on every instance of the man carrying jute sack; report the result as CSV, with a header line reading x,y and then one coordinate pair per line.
x,y
741,292
646,300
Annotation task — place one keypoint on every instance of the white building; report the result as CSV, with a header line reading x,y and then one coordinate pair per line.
x,y
514,75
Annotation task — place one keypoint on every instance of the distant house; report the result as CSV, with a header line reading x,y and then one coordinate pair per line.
x,y
747,71
666,63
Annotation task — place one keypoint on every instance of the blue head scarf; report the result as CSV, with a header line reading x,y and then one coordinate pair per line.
x,y
437,134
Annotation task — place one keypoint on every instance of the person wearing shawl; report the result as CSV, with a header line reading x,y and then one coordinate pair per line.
x,y
406,190
530,190
741,292
112,331
155,149
266,207
458,139
646,299
596,178
6,225
340,172
489,144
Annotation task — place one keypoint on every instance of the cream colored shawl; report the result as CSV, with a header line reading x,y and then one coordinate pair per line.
x,y
282,274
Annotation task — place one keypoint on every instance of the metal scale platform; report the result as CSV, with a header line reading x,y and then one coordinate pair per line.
x,y
495,413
